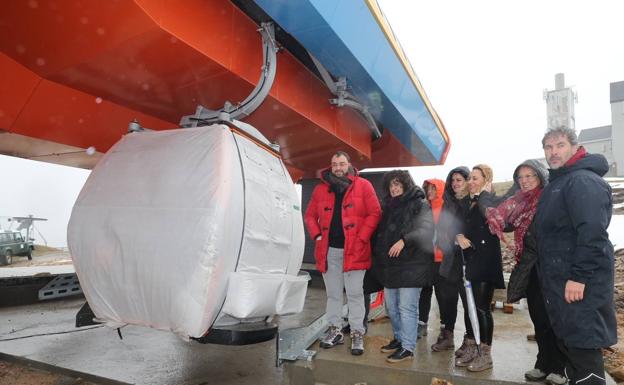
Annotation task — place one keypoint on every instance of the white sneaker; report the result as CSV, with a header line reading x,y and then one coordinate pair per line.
x,y
357,343
556,379
334,337
535,375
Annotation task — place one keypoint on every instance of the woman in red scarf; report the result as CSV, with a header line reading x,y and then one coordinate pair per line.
x,y
516,214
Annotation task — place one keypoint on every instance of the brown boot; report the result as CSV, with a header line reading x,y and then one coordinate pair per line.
x,y
483,360
470,353
445,341
467,341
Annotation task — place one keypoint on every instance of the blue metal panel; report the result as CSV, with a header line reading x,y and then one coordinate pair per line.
x,y
346,38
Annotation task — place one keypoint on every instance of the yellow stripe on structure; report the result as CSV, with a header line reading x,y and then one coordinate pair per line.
x,y
387,30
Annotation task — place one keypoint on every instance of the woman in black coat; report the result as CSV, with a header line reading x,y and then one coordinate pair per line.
x,y
451,223
517,214
403,258
484,268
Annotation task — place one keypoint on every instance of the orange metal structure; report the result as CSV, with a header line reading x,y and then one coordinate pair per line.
x,y
74,73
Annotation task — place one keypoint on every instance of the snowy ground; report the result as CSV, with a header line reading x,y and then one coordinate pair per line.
x,y
615,182
616,231
616,228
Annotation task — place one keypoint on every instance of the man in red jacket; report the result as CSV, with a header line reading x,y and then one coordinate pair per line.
x,y
341,217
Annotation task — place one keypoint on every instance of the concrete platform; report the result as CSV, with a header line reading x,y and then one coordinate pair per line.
x,y
36,270
44,333
513,355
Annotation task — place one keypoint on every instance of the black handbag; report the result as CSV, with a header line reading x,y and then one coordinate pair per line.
x,y
519,279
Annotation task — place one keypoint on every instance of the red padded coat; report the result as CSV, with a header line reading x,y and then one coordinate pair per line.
x,y
361,213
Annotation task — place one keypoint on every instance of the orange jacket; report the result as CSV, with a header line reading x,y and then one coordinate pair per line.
x,y
436,207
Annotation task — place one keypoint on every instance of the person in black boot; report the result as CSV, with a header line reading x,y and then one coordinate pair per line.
x,y
575,256
451,222
516,214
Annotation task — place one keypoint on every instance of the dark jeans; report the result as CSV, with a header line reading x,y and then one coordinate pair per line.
x,y
583,366
549,358
483,293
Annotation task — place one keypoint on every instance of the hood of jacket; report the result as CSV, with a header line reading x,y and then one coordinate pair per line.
x,y
449,194
535,165
440,186
415,192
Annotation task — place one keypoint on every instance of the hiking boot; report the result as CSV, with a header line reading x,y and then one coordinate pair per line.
x,y
392,346
334,337
483,360
467,341
535,375
422,330
469,354
400,355
357,343
556,379
445,341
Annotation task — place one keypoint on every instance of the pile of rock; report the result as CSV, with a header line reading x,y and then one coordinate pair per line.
x,y
618,201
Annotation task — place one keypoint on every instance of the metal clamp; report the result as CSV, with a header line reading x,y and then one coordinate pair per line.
x,y
205,116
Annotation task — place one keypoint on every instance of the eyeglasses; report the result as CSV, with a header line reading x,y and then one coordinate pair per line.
x,y
527,177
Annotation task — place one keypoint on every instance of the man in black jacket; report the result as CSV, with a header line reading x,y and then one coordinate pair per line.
x,y
575,262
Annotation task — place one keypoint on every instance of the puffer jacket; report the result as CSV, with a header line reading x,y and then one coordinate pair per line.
x,y
436,207
361,213
408,217
571,223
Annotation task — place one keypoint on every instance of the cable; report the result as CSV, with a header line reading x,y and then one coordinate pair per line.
x,y
50,334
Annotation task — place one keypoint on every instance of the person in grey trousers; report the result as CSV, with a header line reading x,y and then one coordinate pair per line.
x,y
341,217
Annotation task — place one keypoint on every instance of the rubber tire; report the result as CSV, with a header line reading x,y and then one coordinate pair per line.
x,y
8,257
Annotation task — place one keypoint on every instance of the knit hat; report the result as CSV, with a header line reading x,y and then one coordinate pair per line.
x,y
486,170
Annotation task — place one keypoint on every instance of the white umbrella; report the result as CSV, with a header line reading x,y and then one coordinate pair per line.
x,y
472,307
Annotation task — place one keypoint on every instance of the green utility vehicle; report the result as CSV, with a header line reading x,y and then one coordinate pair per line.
x,y
12,243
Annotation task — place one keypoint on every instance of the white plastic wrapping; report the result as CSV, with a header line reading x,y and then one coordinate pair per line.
x,y
167,217
252,295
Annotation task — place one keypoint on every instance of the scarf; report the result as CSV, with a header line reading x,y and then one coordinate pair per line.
x,y
578,155
339,184
517,211
395,202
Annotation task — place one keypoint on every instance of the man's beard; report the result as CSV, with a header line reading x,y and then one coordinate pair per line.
x,y
553,158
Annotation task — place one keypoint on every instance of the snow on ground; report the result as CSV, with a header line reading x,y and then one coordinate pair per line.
x,y
616,231
615,182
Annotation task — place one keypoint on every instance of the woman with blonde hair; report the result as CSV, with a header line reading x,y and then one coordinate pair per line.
x,y
484,268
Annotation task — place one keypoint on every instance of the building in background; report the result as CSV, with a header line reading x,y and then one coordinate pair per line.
x,y
560,105
617,124
609,140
